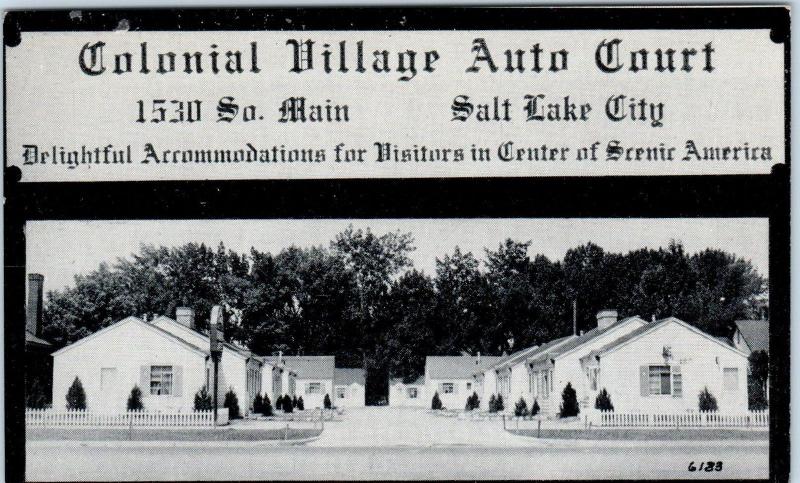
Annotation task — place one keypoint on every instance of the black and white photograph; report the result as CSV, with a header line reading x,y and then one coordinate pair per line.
x,y
397,243
427,342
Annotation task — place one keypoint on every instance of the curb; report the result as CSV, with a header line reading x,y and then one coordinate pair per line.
x,y
653,443
169,444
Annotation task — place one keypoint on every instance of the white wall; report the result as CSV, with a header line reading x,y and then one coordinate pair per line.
x,y
127,348
398,396
354,396
311,401
456,400
701,361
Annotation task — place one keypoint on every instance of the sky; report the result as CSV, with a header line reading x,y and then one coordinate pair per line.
x,y
61,249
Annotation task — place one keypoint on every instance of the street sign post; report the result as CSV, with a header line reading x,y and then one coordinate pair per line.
x,y
216,339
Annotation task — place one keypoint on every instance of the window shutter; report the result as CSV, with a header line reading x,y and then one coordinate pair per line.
x,y
144,379
177,382
644,387
677,382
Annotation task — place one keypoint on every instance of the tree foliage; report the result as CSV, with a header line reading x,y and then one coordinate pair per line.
x,y
603,401
76,396
521,408
707,401
361,300
569,402
135,399
203,400
232,403
436,402
757,383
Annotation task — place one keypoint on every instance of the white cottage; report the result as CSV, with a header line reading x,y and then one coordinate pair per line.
x,y
663,366
349,389
314,377
410,393
168,359
453,378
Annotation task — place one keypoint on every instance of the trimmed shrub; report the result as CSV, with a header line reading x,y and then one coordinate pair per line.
x,y
287,404
266,408
135,400
232,403
202,400
492,404
707,401
499,405
294,402
603,401
327,402
569,402
473,402
535,408
76,396
521,408
436,403
279,403
301,406
258,404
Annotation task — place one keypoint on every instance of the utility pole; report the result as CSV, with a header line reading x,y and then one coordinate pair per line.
x,y
216,338
574,317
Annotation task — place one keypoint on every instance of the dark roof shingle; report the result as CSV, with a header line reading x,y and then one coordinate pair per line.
x,y
309,367
345,377
457,367
755,333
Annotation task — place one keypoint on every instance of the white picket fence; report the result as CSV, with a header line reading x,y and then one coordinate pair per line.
x,y
682,420
50,417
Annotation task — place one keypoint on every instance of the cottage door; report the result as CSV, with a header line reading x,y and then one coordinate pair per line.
x,y
109,388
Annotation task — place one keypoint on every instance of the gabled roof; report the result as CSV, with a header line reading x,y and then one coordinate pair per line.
x,y
345,377
646,329
141,323
457,367
576,342
522,355
309,367
240,351
755,333
420,381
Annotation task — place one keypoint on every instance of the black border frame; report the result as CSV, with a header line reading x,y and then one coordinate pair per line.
x,y
574,197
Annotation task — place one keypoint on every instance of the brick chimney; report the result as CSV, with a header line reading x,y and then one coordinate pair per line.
x,y
185,317
606,318
33,322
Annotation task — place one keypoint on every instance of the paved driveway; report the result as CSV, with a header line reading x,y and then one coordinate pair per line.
x,y
391,426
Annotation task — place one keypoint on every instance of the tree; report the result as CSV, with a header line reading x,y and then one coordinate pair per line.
x,y
301,406
436,403
499,405
535,408
492,404
35,397
294,402
279,403
603,401
135,400
258,404
327,402
521,408
232,403
473,402
202,400
757,383
569,402
706,401
266,408
287,404
76,396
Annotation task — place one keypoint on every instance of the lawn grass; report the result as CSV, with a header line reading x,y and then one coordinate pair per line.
x,y
156,434
650,434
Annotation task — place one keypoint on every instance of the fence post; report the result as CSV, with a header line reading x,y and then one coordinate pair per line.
x,y
539,429
286,434
504,421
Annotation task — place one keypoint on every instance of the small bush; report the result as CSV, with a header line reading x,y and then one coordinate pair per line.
x,y
521,408
232,403
202,400
569,402
535,408
473,402
301,405
499,405
436,403
603,401
76,396
707,401
492,404
258,404
327,402
294,402
135,400
287,404
279,403
266,408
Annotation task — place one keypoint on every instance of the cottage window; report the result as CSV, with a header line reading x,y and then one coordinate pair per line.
x,y
161,380
660,380
412,393
341,392
731,378
469,386
447,388
314,388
